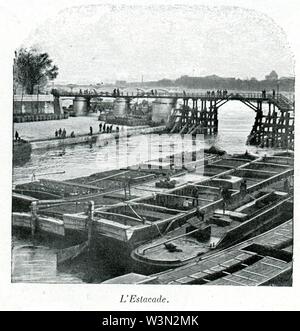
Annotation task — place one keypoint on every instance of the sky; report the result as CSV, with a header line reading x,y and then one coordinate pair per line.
x,y
103,43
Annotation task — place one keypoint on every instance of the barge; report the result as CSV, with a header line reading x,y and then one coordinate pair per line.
x,y
266,259
200,238
130,209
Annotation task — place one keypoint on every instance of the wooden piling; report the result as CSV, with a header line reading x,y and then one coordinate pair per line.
x,y
91,209
34,217
269,129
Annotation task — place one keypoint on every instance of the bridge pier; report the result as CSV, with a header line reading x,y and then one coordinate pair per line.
x,y
201,118
271,130
57,106
121,107
162,109
81,105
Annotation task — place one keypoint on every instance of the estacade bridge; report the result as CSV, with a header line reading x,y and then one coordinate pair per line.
x,y
198,112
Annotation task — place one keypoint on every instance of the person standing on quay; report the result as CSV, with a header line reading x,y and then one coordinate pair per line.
x,y
17,136
91,131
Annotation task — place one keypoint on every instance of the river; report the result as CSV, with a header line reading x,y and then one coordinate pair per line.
x,y
35,261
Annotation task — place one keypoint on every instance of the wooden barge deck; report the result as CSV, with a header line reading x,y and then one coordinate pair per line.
x,y
127,218
200,238
258,261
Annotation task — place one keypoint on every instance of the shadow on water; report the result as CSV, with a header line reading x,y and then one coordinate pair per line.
x,y
92,268
21,152
34,260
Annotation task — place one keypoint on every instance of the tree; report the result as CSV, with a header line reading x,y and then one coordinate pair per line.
x,y
33,69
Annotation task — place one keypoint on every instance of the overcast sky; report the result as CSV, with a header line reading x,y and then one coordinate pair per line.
x,y
103,43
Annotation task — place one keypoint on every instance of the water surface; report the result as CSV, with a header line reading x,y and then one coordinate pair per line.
x,y
35,262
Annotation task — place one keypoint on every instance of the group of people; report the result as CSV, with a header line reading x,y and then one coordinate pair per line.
x,y
143,93
116,92
105,128
264,93
153,92
218,93
62,133
88,91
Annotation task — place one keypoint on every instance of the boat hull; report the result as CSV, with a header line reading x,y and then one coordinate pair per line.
x,y
259,224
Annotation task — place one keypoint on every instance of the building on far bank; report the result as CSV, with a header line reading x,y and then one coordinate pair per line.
x,y
27,108
121,83
272,76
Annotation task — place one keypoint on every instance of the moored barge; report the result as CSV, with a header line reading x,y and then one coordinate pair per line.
x,y
130,209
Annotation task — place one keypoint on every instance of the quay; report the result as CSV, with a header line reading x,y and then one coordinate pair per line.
x,y
100,139
40,135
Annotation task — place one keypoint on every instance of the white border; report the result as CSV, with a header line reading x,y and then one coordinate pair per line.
x,y
23,15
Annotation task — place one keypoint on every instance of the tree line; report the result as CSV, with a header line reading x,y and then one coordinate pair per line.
x,y
216,82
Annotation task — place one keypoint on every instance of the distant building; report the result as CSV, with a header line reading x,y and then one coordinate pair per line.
x,y
272,76
121,82
28,104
